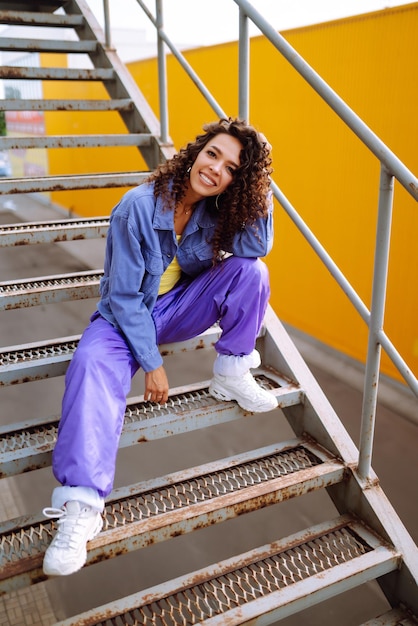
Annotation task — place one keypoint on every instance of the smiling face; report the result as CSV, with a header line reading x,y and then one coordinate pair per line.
x,y
213,169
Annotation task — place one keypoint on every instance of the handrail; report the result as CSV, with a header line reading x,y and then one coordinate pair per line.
x,y
391,167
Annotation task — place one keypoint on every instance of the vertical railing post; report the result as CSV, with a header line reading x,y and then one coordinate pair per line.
x,y
106,15
377,312
162,74
243,66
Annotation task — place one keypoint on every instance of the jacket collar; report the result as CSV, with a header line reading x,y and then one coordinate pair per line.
x,y
163,220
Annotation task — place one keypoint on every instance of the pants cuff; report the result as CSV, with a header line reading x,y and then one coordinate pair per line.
x,y
87,495
231,365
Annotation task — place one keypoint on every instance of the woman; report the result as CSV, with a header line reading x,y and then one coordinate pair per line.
x,y
182,253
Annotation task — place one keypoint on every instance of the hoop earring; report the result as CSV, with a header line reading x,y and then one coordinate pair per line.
x,y
216,201
188,170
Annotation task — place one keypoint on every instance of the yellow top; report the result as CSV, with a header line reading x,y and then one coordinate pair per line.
x,y
170,276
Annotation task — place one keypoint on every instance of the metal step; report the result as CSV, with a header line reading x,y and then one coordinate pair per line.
x,y
33,5
76,141
262,586
30,18
53,231
56,73
36,361
156,510
395,617
73,181
28,446
11,44
40,360
118,104
49,289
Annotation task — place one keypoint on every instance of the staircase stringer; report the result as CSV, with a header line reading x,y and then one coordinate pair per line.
x,y
356,495
141,119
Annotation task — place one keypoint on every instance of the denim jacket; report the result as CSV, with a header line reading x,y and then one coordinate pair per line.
x,y
141,243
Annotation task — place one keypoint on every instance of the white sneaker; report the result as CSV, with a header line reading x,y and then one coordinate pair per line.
x,y
245,390
77,524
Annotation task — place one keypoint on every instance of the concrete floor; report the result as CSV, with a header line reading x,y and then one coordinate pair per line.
x,y
395,458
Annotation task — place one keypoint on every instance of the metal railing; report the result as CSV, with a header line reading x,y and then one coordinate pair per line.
x,y
391,167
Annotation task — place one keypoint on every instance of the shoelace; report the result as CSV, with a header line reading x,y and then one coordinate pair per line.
x,y
67,530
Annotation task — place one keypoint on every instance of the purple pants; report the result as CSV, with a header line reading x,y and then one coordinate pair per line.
x,y
99,376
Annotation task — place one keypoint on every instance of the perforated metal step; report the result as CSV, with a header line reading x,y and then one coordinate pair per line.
x,y
39,360
155,510
36,361
49,289
53,231
273,581
28,446
73,181
76,141
117,104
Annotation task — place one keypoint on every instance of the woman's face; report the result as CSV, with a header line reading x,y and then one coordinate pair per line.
x,y
214,167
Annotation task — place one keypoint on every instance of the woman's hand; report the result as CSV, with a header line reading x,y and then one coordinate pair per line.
x,y
156,385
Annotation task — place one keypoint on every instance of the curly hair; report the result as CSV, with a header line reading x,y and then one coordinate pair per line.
x,y
245,198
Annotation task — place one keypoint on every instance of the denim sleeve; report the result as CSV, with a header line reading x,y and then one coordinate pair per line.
x,y
255,240
129,305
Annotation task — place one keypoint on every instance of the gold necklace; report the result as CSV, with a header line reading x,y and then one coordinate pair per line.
x,y
176,211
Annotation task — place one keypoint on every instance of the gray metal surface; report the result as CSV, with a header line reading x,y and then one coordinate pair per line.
x,y
49,289
74,181
46,45
36,361
55,73
44,359
75,141
33,18
258,587
25,233
118,104
162,508
27,446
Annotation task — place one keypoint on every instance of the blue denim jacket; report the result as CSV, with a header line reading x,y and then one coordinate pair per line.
x,y
141,243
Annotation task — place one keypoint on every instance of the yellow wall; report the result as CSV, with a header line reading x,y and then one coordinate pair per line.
x,y
323,169
87,160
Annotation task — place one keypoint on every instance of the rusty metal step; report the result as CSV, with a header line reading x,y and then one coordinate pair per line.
x,y
49,289
46,359
32,5
32,18
12,44
260,586
28,446
76,141
181,502
36,104
73,181
37,360
56,73
27,233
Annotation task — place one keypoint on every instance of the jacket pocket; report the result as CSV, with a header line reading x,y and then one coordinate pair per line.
x,y
153,262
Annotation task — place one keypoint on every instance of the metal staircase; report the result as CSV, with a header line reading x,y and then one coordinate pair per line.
x,y
364,541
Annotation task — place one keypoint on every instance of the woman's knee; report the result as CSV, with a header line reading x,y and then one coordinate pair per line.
x,y
250,269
